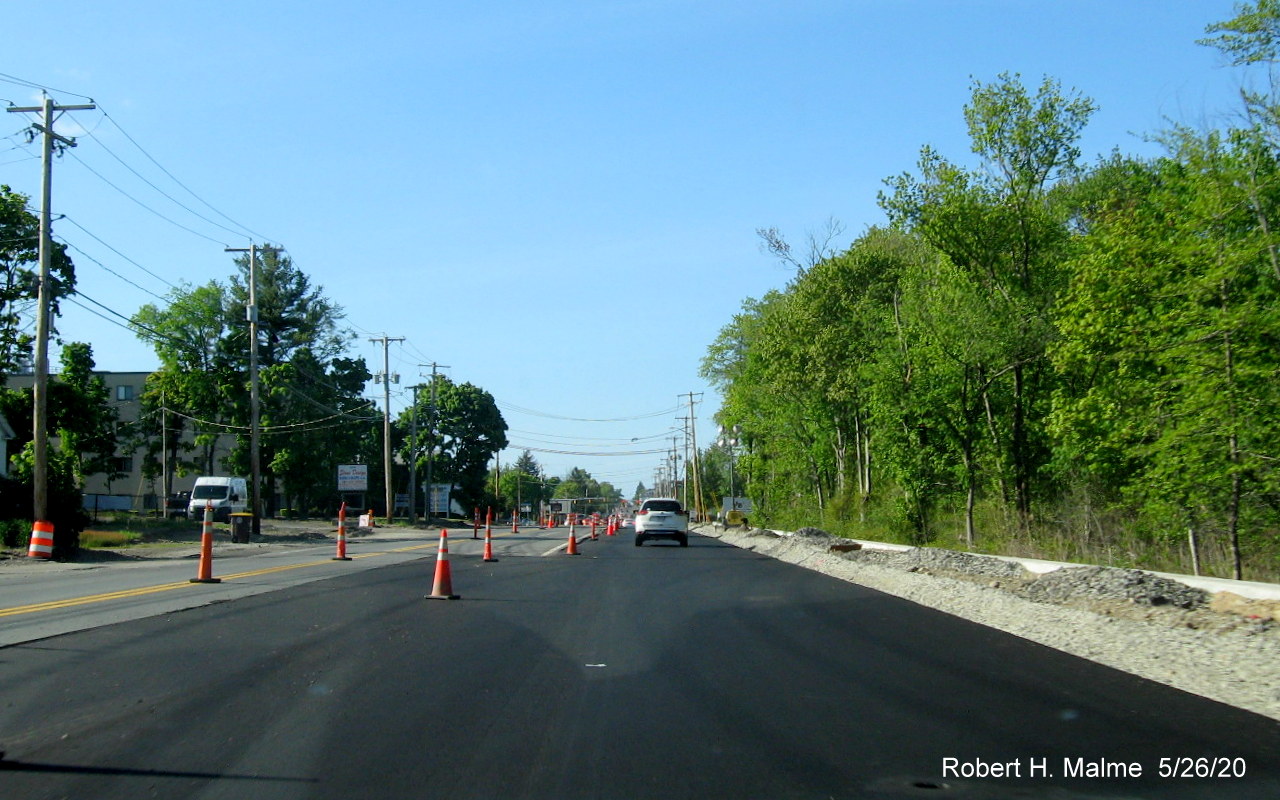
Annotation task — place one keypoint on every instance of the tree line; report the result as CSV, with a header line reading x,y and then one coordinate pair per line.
x,y
525,482
1035,355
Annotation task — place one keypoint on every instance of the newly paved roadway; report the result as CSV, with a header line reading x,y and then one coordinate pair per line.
x,y
623,672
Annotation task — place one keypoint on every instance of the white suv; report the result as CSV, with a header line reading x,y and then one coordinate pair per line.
x,y
662,518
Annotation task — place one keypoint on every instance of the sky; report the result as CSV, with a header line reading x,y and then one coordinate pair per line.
x,y
558,199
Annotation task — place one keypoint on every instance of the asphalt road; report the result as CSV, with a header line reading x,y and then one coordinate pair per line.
x,y
624,672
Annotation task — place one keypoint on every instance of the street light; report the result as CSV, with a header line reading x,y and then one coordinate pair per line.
x,y
730,444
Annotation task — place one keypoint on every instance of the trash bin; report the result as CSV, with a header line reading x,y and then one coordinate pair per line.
x,y
241,527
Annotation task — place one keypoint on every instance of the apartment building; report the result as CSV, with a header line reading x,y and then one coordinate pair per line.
x,y
133,491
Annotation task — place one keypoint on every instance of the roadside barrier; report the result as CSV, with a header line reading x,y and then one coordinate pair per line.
x,y
515,522
342,534
443,587
41,540
475,524
595,535
205,572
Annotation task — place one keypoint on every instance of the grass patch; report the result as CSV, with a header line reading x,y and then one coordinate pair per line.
x,y
120,538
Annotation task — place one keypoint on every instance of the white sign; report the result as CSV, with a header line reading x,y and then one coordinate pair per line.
x,y
440,497
353,477
736,504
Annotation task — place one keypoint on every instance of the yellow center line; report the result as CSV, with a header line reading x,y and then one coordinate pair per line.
x,y
95,598
70,602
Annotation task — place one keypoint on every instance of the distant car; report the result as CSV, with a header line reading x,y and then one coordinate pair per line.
x,y
177,504
662,518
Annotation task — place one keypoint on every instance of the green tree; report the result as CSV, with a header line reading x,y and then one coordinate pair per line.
x,y
20,277
311,412
299,331
186,393
83,421
319,421
1000,226
468,431
1169,331
1250,37
81,412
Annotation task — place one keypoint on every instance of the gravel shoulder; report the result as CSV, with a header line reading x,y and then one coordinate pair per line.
x,y
1220,646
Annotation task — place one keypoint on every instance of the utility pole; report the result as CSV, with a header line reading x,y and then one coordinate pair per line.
x,y
255,411
413,457
431,434
40,388
684,486
675,467
386,419
697,464
166,485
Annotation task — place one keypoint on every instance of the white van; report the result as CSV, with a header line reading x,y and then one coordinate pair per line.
x,y
228,496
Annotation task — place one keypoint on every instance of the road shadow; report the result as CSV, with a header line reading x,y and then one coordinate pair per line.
x,y
7,765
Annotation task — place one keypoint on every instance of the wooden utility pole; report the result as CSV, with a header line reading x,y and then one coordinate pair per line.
x,y
386,420
40,389
165,483
255,428
698,503
431,434
413,460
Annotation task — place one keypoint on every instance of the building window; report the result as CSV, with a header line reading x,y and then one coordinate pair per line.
x,y
124,392
122,464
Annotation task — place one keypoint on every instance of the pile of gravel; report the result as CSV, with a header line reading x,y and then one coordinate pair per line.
x,y
946,563
1131,585
1131,620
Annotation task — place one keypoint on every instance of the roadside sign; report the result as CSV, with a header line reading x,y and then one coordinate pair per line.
x,y
440,497
353,477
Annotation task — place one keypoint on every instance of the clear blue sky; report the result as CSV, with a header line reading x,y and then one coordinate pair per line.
x,y
558,198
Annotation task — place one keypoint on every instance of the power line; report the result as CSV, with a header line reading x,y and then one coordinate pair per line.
x,y
533,413
16,81
117,252
572,439
175,201
517,446
173,178
109,269
175,223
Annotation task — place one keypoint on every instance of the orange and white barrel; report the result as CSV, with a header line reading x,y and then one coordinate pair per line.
x,y
41,540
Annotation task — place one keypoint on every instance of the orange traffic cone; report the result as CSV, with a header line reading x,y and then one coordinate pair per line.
x,y
572,549
488,545
205,573
443,588
342,534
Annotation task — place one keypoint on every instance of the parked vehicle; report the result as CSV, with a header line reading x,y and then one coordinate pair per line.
x,y
178,503
228,496
662,518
